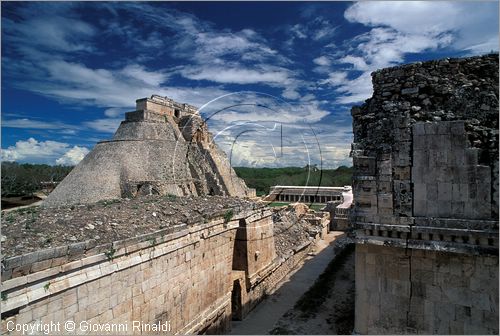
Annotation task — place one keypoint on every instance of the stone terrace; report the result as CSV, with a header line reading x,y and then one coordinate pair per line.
x,y
31,229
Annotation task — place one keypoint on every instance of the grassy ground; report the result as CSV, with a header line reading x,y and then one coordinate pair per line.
x,y
311,301
327,308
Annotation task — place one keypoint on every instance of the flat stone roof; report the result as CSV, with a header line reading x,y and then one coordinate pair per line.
x,y
309,187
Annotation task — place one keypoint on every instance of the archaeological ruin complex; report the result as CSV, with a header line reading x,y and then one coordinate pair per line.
x,y
203,263
126,236
425,187
164,147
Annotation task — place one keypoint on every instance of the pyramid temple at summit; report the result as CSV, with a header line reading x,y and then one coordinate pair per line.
x,y
163,147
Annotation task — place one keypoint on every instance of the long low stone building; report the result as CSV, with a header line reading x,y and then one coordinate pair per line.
x,y
307,194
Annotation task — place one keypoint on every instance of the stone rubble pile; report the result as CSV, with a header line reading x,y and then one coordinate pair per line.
x,y
36,228
292,229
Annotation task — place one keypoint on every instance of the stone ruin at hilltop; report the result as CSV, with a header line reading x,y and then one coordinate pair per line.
x,y
163,147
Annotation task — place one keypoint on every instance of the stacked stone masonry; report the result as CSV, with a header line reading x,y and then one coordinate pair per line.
x,y
422,291
425,186
183,276
447,179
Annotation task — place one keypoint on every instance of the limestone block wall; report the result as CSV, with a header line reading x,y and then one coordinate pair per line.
x,y
141,115
444,90
225,173
112,167
340,220
425,187
194,129
258,237
166,106
182,276
447,179
257,269
205,179
439,292
253,293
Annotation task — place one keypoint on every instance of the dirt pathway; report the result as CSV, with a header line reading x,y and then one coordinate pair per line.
x,y
263,318
328,306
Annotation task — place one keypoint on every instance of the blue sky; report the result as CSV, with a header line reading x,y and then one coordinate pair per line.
x,y
290,71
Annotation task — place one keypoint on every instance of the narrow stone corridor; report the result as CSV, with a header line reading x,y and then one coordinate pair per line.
x,y
263,318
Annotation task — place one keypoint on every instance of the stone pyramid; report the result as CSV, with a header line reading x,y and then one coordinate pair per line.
x,y
163,147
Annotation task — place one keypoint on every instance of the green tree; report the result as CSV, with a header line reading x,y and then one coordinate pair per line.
x,y
25,179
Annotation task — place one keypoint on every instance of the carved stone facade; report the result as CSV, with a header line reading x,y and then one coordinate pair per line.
x,y
425,188
161,148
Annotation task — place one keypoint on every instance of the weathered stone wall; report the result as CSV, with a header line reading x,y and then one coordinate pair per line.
x,y
118,169
447,179
413,291
258,238
425,156
445,90
253,292
182,276
166,106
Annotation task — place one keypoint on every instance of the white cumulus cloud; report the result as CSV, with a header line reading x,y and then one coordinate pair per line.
x,y
50,152
237,74
73,156
473,23
322,60
400,28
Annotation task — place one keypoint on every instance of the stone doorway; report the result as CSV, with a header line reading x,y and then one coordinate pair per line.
x,y
236,307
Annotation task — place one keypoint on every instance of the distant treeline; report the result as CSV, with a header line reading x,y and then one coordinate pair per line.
x,y
263,178
25,178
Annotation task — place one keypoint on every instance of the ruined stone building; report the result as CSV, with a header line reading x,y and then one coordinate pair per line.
x,y
192,273
164,147
425,187
425,215
191,263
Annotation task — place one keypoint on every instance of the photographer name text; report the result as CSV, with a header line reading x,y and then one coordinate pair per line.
x,y
87,327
